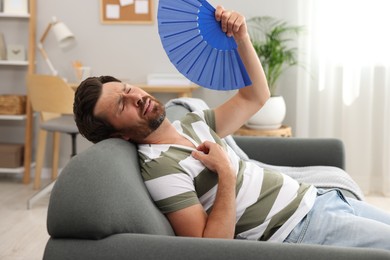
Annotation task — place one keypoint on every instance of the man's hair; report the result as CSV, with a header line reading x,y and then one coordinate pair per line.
x,y
92,127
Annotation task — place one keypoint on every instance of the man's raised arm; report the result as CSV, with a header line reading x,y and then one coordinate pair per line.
x,y
236,111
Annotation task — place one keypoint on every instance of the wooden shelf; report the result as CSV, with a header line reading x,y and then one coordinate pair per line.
x,y
181,91
12,170
13,63
20,169
11,15
283,131
13,117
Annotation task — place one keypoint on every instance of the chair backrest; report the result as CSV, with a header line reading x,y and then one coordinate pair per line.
x,y
50,94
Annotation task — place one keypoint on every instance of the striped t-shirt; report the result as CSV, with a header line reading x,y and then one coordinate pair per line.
x,y
269,204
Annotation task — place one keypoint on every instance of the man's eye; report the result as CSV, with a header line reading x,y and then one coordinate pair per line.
x,y
128,90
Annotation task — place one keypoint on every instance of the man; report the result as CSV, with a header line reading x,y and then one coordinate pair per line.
x,y
201,185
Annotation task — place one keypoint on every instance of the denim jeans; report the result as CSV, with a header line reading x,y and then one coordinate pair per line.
x,y
340,221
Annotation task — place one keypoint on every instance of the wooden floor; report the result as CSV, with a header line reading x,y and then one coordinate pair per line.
x,y
23,234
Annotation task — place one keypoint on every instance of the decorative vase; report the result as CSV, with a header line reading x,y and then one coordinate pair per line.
x,y
270,116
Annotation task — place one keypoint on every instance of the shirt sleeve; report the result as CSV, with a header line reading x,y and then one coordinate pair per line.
x,y
169,184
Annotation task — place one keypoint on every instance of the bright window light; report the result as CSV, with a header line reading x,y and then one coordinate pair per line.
x,y
354,31
352,35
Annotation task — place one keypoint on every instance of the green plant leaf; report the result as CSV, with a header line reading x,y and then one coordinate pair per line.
x,y
271,39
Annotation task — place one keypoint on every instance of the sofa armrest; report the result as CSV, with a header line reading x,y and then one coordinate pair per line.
x,y
140,246
294,151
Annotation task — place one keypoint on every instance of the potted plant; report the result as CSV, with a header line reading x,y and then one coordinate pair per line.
x,y
271,39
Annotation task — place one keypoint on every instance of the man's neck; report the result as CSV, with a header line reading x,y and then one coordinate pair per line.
x,y
163,134
166,134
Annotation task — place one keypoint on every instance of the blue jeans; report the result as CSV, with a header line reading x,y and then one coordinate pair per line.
x,y
339,221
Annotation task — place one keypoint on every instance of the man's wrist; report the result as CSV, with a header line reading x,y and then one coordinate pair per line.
x,y
227,176
243,39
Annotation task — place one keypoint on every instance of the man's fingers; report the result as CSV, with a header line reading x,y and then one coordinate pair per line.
x,y
218,12
197,155
230,21
204,147
239,21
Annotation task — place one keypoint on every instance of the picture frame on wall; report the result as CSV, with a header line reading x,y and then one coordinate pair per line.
x,y
16,52
15,6
127,11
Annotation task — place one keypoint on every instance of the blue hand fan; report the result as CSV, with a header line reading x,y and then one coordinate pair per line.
x,y
197,46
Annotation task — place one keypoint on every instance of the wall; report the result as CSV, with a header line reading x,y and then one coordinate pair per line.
x,y
132,51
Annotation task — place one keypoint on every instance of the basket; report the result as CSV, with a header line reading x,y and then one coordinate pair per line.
x,y
11,155
12,104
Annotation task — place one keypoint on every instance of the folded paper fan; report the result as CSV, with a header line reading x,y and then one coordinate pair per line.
x,y
197,46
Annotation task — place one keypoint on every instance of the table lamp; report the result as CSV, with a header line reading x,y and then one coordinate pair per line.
x,y
64,36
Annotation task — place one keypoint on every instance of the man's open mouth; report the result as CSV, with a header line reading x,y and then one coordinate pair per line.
x,y
147,106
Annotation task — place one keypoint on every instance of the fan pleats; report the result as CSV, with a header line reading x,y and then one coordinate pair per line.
x,y
197,46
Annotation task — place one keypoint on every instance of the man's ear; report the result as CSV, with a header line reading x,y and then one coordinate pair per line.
x,y
125,137
121,136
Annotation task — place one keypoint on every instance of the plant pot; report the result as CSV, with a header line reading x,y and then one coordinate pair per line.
x,y
270,116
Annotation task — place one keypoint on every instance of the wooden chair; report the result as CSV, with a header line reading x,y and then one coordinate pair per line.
x,y
53,99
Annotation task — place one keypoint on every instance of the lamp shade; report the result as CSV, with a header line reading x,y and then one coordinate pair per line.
x,y
63,35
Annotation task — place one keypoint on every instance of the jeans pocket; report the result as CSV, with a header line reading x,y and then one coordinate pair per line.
x,y
342,197
297,234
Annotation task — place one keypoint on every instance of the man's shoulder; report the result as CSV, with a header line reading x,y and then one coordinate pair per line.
x,y
207,116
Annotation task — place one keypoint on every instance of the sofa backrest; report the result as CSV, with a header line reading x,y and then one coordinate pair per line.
x,y
100,192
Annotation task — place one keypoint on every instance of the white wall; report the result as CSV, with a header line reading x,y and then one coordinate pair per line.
x,y
132,51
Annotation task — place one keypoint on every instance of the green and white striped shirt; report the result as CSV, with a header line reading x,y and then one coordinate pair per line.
x,y
269,204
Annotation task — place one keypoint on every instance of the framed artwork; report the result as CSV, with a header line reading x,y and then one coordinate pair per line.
x,y
15,6
16,52
126,11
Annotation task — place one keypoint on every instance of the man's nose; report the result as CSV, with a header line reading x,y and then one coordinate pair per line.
x,y
134,98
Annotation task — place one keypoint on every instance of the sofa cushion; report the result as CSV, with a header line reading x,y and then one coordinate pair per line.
x,y
100,192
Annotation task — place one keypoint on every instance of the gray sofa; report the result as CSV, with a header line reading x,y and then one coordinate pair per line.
x,y
100,209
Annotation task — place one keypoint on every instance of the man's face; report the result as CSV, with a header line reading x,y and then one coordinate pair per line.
x,y
130,110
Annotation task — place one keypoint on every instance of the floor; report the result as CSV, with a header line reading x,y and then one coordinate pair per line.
x,y
23,232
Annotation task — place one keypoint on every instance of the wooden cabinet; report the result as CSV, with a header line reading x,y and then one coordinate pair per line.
x,y
283,131
19,29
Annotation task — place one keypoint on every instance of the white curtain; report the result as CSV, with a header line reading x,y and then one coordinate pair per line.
x,y
344,90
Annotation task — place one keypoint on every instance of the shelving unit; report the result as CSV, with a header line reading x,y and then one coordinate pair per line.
x,y
22,68
13,63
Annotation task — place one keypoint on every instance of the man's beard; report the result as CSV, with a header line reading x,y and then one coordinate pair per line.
x,y
153,121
